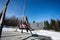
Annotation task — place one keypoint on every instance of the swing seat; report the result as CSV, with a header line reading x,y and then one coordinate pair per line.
x,y
22,28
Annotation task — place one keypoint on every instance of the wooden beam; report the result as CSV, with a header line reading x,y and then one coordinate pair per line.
x,y
3,17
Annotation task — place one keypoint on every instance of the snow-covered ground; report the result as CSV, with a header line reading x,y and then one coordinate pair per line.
x,y
12,29
8,29
54,35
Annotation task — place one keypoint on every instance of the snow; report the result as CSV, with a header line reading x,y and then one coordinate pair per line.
x,y
54,35
8,29
13,29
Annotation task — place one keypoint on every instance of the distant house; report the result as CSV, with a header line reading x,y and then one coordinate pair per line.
x,y
39,25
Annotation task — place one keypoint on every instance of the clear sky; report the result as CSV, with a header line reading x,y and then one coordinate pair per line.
x,y
36,10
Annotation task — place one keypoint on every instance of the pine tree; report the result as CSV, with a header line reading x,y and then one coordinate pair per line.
x,y
58,21
54,24
47,25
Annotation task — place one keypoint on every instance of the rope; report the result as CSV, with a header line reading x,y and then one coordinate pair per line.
x,y
24,7
12,3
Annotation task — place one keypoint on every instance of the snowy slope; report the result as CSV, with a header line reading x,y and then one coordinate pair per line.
x,y
52,34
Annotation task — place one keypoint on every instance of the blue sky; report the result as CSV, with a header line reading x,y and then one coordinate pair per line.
x,y
36,10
